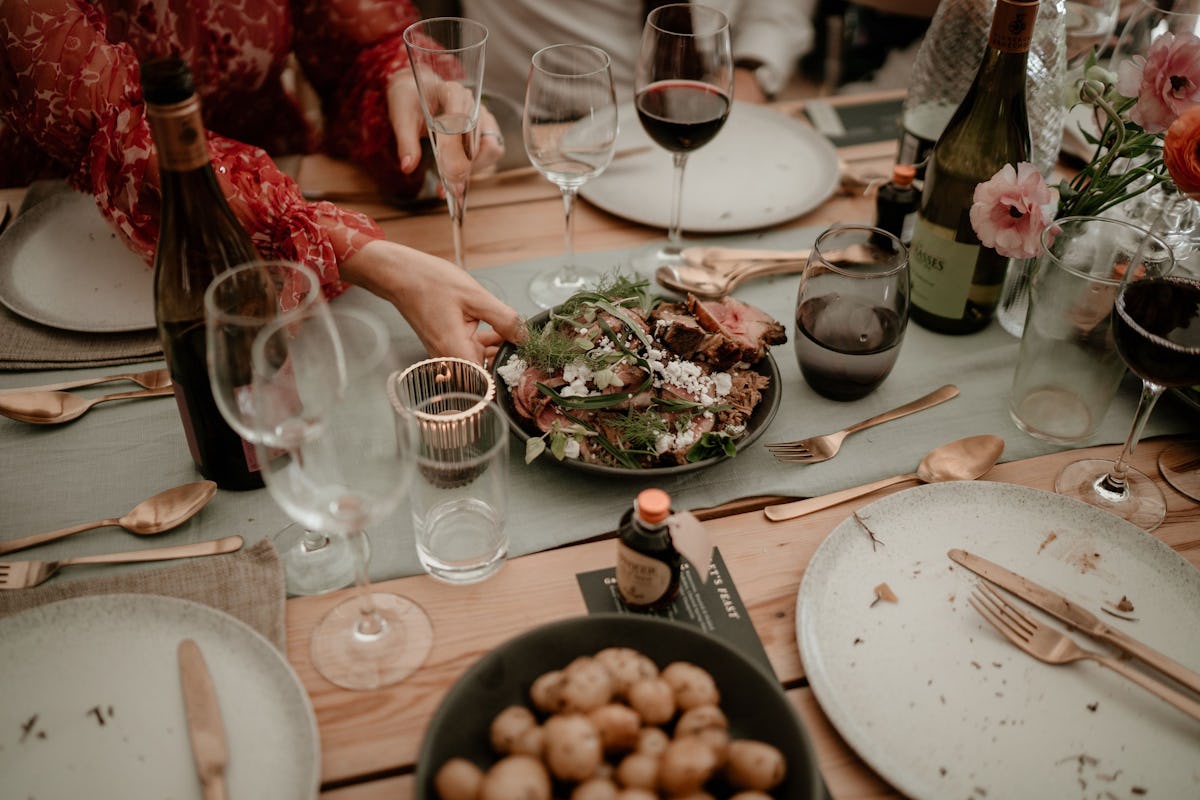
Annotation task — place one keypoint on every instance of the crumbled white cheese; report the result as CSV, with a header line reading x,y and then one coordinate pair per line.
x,y
571,450
512,370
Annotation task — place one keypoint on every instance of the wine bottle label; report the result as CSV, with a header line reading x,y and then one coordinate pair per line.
x,y
940,269
178,133
1012,26
641,580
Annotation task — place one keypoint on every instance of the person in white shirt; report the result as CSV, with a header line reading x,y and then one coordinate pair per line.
x,y
769,37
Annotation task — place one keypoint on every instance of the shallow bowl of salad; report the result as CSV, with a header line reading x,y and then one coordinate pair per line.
x,y
624,383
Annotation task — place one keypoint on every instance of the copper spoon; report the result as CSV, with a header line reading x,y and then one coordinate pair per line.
x,y
51,408
151,379
960,460
713,282
162,512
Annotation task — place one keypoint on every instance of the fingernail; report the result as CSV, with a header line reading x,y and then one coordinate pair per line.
x,y
407,163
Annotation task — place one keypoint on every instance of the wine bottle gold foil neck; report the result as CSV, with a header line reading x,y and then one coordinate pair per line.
x,y
179,135
1012,26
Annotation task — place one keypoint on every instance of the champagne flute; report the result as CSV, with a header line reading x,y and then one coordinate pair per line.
x,y
238,304
683,87
446,56
570,129
1156,326
338,459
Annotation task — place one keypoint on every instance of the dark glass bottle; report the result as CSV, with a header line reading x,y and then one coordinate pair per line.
x,y
648,564
955,280
896,203
198,238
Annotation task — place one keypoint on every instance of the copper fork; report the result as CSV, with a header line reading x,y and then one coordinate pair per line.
x,y
24,574
822,448
1055,647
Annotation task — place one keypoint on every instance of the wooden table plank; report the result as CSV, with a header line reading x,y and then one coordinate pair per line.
x,y
376,732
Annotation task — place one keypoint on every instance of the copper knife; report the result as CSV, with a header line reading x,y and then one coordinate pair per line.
x,y
1079,618
205,729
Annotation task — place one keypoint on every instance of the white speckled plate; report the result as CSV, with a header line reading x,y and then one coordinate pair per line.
x,y
763,168
939,704
90,704
63,266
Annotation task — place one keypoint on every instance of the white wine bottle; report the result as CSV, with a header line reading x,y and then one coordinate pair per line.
x,y
955,280
198,238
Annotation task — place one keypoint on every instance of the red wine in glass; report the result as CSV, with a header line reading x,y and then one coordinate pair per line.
x,y
682,115
1156,327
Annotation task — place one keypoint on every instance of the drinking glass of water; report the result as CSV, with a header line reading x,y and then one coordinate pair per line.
x,y
852,310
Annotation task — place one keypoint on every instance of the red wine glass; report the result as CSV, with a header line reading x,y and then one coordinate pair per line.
x,y
1156,326
682,91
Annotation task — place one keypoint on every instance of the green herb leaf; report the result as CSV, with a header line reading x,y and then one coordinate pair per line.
x,y
712,445
534,447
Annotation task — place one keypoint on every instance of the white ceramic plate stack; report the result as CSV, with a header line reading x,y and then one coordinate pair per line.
x,y
91,705
940,704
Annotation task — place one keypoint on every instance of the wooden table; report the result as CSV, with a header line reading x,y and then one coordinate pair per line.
x,y
370,740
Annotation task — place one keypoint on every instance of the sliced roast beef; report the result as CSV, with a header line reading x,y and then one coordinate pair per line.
x,y
745,331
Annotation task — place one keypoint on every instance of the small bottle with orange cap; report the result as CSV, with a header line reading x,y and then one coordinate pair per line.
x,y
648,564
896,203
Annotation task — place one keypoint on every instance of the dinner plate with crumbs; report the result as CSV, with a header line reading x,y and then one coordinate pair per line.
x,y
62,265
524,429
940,704
763,168
91,703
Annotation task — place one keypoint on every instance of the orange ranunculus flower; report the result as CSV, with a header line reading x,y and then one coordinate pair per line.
x,y
1181,151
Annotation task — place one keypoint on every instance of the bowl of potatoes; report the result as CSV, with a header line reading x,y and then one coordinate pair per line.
x,y
616,707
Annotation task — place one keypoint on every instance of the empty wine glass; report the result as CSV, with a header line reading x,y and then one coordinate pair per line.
x,y
570,128
338,459
1156,327
446,56
238,304
1180,466
1088,24
683,87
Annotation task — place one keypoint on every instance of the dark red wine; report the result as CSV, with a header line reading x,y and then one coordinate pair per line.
x,y
1156,325
682,116
846,347
220,454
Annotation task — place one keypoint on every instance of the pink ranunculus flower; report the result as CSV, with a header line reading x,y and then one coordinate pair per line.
x,y
1011,210
1166,81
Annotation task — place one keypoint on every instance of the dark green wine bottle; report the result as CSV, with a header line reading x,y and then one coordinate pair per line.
x,y
955,280
198,238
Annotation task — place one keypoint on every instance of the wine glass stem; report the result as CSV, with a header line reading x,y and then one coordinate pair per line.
x,y
568,198
456,200
312,540
673,235
1113,483
370,623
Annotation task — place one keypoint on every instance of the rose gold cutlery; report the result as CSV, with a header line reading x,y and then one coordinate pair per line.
x,y
960,460
24,574
151,379
162,512
1055,647
816,449
51,408
1077,617
713,282
205,729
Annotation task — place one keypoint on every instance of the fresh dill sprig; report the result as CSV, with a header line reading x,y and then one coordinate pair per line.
x,y
549,348
639,429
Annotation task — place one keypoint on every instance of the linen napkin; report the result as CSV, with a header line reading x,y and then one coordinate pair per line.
x,y
248,585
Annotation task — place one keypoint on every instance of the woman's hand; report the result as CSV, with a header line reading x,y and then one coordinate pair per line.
x,y
443,303
408,122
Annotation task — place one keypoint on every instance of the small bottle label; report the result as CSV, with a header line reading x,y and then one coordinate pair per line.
x,y
641,580
1012,26
178,133
941,269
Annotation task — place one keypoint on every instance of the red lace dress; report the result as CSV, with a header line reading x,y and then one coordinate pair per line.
x,y
71,105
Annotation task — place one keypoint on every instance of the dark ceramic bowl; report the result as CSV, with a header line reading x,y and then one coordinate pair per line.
x,y
760,418
752,699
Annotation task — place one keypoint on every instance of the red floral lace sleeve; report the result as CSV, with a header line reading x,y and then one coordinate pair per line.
x,y
75,93
349,49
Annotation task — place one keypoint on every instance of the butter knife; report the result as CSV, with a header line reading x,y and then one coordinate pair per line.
x,y
205,729
1080,618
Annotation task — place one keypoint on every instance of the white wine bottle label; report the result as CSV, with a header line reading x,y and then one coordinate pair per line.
x,y
178,133
1012,26
641,580
940,269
